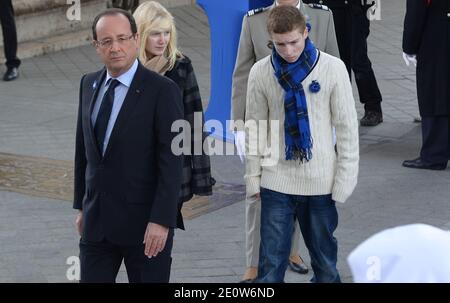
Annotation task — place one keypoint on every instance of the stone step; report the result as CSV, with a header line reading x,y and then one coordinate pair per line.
x,y
52,44
43,26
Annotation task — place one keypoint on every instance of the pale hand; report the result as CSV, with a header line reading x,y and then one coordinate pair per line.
x,y
257,196
239,141
155,239
79,222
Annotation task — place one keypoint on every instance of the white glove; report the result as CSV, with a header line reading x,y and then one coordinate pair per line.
x,y
239,141
334,135
410,59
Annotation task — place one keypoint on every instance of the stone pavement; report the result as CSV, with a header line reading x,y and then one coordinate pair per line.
x,y
37,126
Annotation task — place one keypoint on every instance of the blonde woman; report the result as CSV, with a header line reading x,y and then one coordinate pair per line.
x,y
159,53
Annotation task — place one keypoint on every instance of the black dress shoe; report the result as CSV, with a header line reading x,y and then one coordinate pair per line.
x,y
371,118
418,163
299,268
11,74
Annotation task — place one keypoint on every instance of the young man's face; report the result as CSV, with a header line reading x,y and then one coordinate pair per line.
x,y
290,45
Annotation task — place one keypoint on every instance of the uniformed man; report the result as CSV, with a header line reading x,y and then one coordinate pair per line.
x,y
426,39
9,40
353,28
253,46
254,40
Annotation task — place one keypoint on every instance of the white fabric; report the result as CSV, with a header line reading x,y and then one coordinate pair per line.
x,y
299,3
416,253
239,141
410,59
333,105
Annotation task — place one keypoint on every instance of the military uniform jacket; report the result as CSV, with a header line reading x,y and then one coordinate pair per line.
x,y
253,46
427,35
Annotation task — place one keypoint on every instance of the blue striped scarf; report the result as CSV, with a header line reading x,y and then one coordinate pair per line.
x,y
297,136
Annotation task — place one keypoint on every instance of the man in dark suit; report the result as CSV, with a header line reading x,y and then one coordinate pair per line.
x,y
127,179
426,41
9,40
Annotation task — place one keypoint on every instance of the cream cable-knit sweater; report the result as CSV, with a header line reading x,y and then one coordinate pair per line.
x,y
334,105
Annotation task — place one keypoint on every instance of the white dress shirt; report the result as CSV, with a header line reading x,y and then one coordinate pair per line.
x,y
119,97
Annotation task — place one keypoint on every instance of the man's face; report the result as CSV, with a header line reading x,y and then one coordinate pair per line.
x,y
290,45
117,46
288,2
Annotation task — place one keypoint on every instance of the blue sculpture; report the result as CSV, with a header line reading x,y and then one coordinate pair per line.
x,y
225,22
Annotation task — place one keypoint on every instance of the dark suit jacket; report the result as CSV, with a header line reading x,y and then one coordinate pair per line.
x,y
138,179
426,34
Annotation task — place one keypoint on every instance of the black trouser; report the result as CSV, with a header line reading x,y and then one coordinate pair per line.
x,y
342,16
352,29
369,93
9,33
435,140
100,262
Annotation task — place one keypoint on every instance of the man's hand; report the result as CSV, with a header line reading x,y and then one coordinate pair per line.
x,y
239,141
257,196
79,222
410,59
155,239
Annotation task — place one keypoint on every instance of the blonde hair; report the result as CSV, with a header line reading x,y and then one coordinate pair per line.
x,y
151,16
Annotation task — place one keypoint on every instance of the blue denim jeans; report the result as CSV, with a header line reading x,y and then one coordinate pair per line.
x,y
318,220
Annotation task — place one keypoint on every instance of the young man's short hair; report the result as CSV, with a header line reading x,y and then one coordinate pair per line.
x,y
284,19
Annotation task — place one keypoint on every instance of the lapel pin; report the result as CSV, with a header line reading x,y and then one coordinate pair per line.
x,y
138,91
94,85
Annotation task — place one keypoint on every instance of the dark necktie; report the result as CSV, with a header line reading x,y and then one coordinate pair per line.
x,y
101,124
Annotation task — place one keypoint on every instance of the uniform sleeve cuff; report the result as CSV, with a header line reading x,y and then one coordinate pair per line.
x,y
253,185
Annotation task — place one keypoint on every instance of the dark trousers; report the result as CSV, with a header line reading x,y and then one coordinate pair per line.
x,y
352,30
435,140
369,93
100,262
9,33
342,16
318,219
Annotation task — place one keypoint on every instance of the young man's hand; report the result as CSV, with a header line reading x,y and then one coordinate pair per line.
x,y
257,196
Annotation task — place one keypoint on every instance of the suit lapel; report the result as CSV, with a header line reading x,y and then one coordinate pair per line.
x,y
131,100
96,85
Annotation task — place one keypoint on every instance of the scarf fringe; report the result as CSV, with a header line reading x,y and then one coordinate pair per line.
x,y
297,153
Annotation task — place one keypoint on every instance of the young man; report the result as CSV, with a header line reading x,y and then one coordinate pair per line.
x,y
252,48
127,180
302,92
